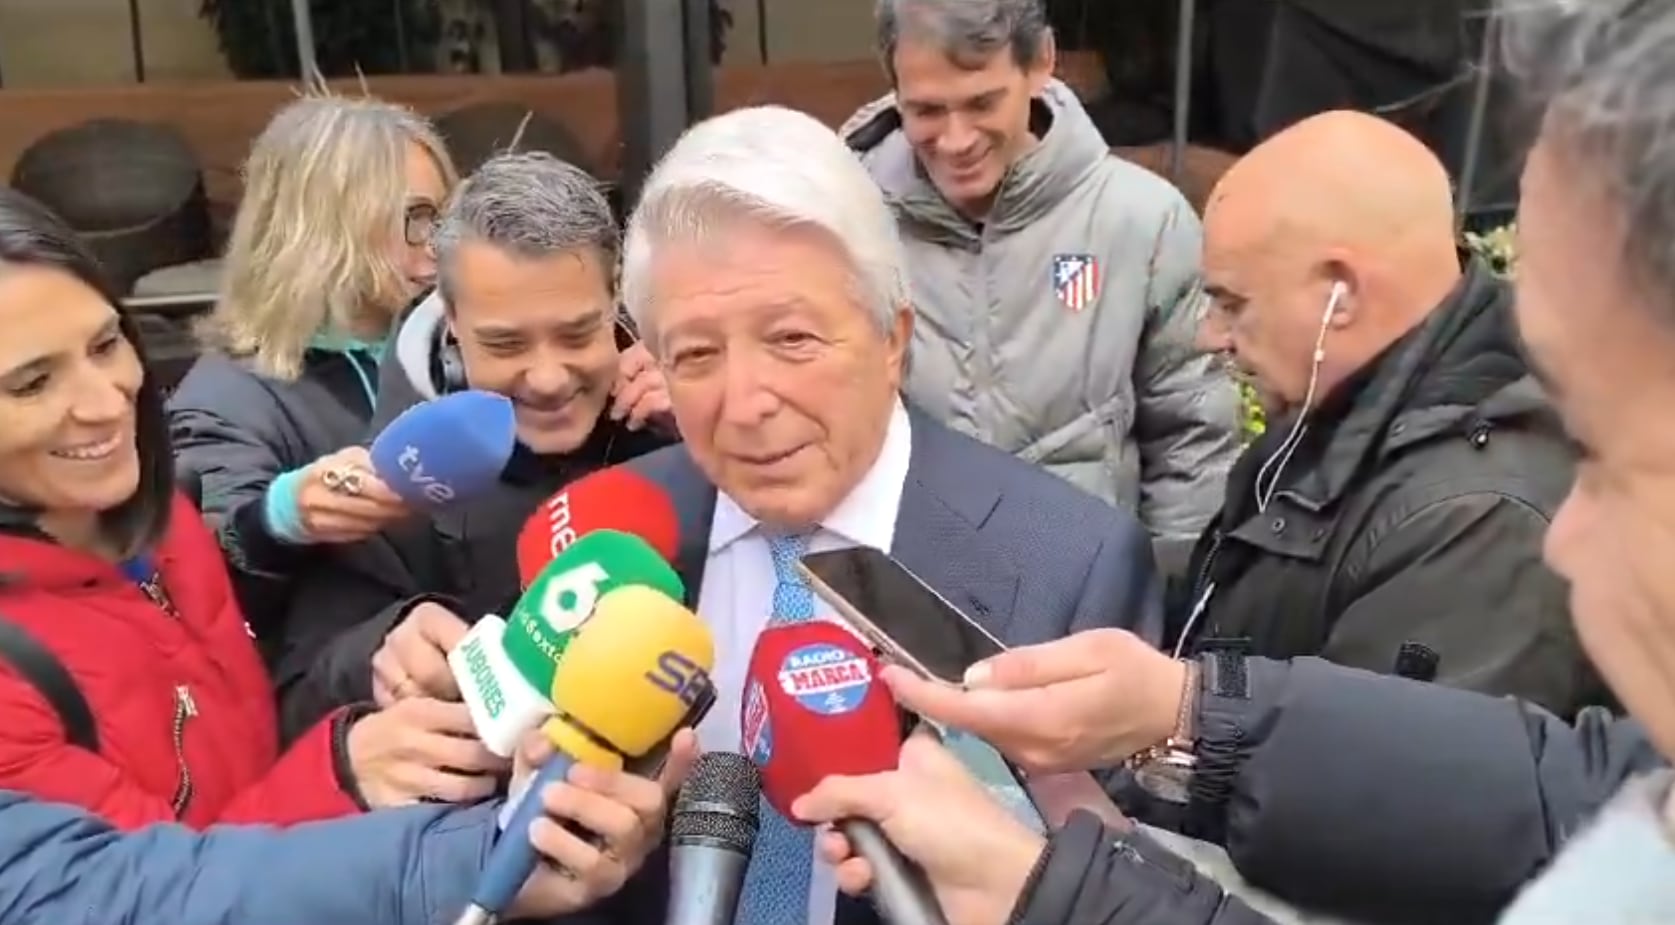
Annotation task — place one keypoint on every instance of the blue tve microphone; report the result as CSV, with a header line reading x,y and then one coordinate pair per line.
x,y
447,448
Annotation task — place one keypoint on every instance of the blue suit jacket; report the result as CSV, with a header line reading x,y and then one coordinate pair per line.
x,y
1027,554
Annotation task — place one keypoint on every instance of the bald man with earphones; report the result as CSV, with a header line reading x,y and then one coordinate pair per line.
x,y
1391,516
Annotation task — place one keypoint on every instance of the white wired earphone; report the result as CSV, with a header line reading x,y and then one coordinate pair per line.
x,y
1289,445
1281,456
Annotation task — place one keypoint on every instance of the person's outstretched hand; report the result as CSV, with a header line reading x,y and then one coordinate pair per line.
x,y
625,811
975,853
1086,701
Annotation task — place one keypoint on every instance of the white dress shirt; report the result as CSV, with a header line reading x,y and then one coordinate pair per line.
x,y
736,599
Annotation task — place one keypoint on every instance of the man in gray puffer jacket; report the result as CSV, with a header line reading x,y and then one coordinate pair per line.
x,y
1055,285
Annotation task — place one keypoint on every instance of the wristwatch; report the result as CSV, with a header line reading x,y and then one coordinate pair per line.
x,y
1165,770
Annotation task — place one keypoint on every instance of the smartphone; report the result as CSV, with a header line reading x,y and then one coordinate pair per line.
x,y
900,615
912,625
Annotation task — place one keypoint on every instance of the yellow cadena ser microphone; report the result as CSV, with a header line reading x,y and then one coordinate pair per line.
x,y
629,677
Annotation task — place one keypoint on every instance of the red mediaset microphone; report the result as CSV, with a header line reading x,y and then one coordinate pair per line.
x,y
610,499
813,708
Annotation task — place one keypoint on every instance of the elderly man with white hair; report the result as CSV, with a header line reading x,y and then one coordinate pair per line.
x,y
766,275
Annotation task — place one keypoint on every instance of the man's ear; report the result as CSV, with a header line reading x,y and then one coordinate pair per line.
x,y
1342,275
897,341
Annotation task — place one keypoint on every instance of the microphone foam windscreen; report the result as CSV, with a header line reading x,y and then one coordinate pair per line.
x,y
447,448
718,803
634,669
566,592
812,708
610,499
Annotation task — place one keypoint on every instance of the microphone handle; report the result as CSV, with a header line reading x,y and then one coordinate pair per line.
x,y
705,884
513,858
899,887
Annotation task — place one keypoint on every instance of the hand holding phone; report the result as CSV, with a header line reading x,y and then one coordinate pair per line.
x,y
911,625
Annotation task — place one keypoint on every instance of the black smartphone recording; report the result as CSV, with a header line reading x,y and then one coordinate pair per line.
x,y
899,614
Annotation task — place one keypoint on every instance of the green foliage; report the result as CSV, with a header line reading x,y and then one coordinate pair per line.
x,y
1499,246
1250,412
258,37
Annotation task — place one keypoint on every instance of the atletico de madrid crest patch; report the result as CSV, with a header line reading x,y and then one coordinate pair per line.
x,y
1076,280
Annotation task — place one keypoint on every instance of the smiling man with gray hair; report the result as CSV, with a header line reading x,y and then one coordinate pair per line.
x,y
767,275
1056,286
526,257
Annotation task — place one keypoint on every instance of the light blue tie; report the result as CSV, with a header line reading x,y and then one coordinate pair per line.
x,y
776,885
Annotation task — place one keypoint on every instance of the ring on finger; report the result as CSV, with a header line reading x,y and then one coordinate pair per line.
x,y
343,480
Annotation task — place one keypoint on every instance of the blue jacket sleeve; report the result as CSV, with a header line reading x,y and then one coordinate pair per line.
x,y
399,867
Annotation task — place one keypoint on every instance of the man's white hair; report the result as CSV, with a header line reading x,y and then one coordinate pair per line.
x,y
776,167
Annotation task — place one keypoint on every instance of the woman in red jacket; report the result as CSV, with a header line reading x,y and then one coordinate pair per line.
x,y
116,576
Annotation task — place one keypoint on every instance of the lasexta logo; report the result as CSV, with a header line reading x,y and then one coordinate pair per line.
x,y
569,599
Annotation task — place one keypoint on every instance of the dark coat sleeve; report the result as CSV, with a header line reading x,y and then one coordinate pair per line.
x,y
1089,875
1381,799
1462,575
320,655
231,439
230,432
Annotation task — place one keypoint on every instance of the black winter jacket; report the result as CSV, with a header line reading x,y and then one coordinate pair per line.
x,y
1353,794
235,430
1405,535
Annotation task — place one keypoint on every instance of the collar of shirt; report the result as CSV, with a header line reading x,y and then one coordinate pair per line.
x,y
865,517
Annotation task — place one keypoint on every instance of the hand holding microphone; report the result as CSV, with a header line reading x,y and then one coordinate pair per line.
x,y
413,660
434,453
421,749
629,677
626,812
812,710
505,668
423,654
341,499
975,853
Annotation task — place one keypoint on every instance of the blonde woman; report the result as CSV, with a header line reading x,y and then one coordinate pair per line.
x,y
331,243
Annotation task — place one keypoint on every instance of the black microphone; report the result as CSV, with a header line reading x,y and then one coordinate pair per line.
x,y
1417,662
712,835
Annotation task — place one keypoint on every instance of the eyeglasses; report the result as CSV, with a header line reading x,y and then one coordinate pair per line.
x,y
419,223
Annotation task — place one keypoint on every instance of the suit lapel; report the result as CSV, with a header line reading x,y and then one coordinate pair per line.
x,y
938,527
938,532
693,498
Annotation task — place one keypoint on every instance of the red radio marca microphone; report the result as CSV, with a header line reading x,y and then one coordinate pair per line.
x,y
610,499
813,706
